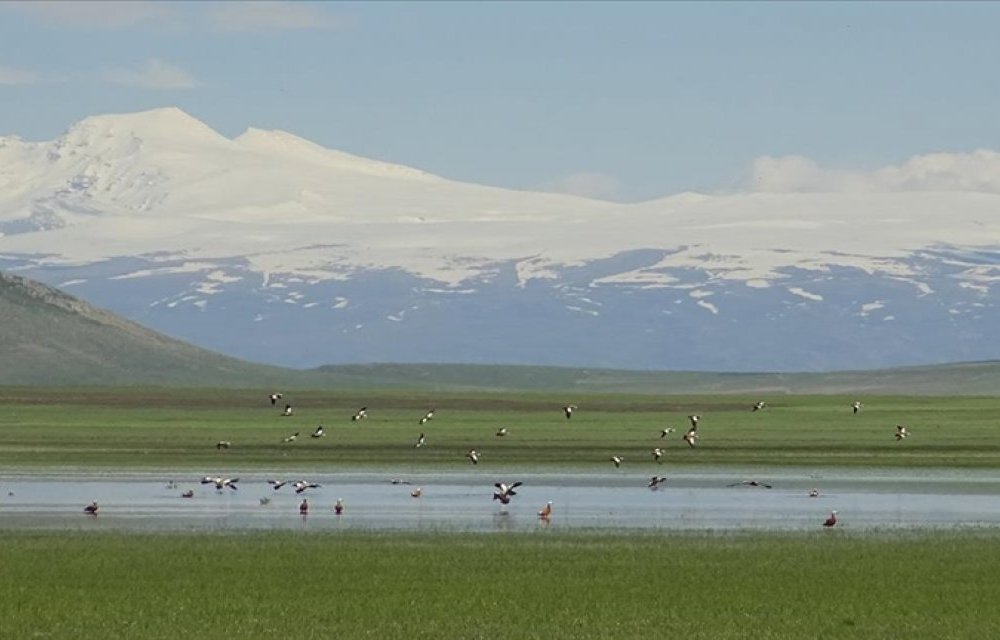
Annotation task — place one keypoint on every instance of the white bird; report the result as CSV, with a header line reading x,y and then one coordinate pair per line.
x,y
91,509
901,432
617,460
501,432
287,411
319,432
302,485
694,421
473,456
505,491
361,414
856,406
568,410
223,444
421,441
690,437
814,493
221,483
657,454
666,431
292,438
758,405
275,397
427,416
655,482
277,484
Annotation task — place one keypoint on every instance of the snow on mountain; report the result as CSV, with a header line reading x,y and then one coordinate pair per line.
x,y
157,216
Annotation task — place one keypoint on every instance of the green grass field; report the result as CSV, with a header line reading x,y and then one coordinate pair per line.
x,y
822,585
168,428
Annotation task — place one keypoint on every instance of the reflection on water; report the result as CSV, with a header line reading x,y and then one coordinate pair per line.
x,y
690,499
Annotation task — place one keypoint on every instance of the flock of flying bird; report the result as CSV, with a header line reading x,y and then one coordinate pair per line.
x,y
504,492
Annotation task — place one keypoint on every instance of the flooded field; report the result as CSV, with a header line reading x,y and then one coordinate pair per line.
x,y
703,499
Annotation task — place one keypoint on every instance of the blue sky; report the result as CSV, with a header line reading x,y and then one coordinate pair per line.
x,y
627,101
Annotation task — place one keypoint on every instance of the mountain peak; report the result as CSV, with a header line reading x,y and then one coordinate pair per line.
x,y
168,124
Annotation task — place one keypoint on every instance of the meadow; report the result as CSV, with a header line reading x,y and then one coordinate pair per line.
x,y
177,428
286,585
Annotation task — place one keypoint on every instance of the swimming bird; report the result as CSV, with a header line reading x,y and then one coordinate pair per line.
x,y
319,432
617,460
666,431
277,484
657,454
545,511
501,432
814,493
568,410
338,508
399,481
360,414
505,491
758,405
265,501
694,421
292,438
188,494
221,483
832,520
304,507
223,444
473,456
690,437
91,509
750,483
275,397
421,441
856,406
427,416
655,482
901,432
416,493
302,485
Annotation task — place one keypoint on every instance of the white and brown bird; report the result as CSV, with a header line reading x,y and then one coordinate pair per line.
x,y
856,406
91,509
416,493
545,512
657,454
473,456
360,414
617,460
287,411
318,433
690,437
505,491
901,432
338,507
292,438
832,520
501,432
757,406
666,431
427,416
568,410
275,397
814,493
694,421
221,483
655,482
421,441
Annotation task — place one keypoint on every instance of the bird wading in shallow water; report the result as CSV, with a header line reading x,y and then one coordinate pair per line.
x,y
832,520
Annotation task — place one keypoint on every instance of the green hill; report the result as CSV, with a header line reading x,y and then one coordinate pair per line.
x,y
49,338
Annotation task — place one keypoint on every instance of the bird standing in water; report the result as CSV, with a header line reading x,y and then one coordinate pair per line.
x,y
338,508
832,520
304,507
91,509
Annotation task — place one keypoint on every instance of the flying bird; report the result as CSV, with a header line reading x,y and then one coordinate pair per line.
x,y
690,437
758,406
666,431
856,406
427,416
287,411
568,410
657,454
655,482
421,441
694,421
750,483
360,414
275,397
292,438
501,432
319,432
221,483
91,509
901,432
832,520
473,456
223,444
277,484
505,491
617,460
302,485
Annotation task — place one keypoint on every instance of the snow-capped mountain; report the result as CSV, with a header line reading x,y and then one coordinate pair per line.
x,y
272,248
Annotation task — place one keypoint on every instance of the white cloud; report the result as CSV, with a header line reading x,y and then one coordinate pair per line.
x,y
12,76
99,14
587,185
155,74
976,171
270,16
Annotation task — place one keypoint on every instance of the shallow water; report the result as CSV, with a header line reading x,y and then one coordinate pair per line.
x,y
689,500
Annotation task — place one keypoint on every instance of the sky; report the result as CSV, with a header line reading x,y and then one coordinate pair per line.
x,y
621,101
